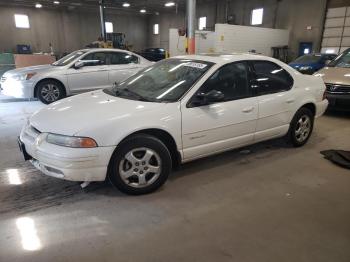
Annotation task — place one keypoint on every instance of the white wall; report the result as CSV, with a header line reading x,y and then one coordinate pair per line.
x,y
231,38
234,38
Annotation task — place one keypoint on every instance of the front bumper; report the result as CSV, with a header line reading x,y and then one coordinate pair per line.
x,y
74,164
17,89
339,102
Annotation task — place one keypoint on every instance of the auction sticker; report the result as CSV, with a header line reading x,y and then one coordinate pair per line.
x,y
196,65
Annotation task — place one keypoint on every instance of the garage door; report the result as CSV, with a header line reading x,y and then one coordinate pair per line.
x,y
336,35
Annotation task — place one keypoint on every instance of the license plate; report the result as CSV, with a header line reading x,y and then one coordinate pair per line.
x,y
22,148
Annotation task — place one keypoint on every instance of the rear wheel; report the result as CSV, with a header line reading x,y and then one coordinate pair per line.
x,y
301,127
140,165
50,91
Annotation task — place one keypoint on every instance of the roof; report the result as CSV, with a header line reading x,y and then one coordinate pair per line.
x,y
225,58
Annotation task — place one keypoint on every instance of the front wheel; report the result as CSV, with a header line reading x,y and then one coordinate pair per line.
x,y
49,91
140,165
301,127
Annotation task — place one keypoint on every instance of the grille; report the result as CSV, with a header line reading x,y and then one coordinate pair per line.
x,y
337,89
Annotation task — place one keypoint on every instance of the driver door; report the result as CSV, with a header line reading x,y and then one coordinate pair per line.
x,y
219,126
91,76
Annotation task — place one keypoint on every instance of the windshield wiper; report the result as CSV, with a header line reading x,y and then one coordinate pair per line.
x,y
132,94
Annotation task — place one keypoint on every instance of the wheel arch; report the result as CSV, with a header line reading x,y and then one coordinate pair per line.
x,y
163,136
311,106
50,79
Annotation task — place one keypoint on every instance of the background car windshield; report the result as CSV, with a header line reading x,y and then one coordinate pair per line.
x,y
308,59
342,60
68,58
167,80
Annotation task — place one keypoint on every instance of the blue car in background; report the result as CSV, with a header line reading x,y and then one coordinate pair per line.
x,y
309,64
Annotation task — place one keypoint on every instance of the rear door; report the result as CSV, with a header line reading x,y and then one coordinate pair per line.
x,y
91,76
122,65
276,100
222,125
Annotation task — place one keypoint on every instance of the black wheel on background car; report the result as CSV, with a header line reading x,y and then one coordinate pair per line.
x,y
301,127
140,165
50,91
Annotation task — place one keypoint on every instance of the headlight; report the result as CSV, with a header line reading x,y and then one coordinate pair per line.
x,y
319,74
71,141
23,77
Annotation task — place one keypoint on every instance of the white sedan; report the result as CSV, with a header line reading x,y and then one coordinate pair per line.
x,y
174,111
80,71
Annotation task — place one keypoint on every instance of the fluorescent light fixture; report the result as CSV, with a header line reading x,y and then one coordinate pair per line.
x,y
330,51
109,27
257,16
306,51
169,4
143,11
156,29
56,2
202,23
126,5
22,21
38,5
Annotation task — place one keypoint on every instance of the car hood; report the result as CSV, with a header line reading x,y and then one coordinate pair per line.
x,y
90,110
30,69
335,75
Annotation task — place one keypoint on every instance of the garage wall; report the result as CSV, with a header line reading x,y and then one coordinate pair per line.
x,y
293,15
66,30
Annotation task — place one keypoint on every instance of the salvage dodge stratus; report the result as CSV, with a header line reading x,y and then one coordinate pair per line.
x,y
174,111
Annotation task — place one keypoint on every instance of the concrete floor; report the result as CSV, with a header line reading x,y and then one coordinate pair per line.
x,y
267,203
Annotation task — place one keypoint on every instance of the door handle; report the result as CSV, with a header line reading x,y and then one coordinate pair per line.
x,y
290,100
248,109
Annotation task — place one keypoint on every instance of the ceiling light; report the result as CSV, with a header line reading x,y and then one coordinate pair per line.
x,y
56,2
169,4
143,11
38,5
126,5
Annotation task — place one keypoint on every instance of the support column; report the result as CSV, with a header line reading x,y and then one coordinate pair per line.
x,y
102,18
191,23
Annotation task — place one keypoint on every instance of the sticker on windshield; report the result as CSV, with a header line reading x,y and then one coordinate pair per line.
x,y
196,65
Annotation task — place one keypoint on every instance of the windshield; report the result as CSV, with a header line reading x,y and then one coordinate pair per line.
x,y
343,60
308,59
68,58
165,81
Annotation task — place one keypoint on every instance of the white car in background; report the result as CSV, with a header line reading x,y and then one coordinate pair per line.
x,y
175,111
81,71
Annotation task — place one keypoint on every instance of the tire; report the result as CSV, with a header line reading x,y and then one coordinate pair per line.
x,y
49,91
131,164
301,127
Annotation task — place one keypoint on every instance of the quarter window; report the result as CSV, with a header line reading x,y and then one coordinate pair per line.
x,y
271,78
231,80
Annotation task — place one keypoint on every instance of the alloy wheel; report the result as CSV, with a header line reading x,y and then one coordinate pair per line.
x,y
50,92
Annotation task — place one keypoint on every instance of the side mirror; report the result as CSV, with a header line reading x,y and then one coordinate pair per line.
x,y
213,96
82,63
79,64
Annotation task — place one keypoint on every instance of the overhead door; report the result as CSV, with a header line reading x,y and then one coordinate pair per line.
x,y
336,35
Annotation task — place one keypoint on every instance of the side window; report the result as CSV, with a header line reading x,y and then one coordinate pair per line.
x,y
100,58
271,78
119,58
231,80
